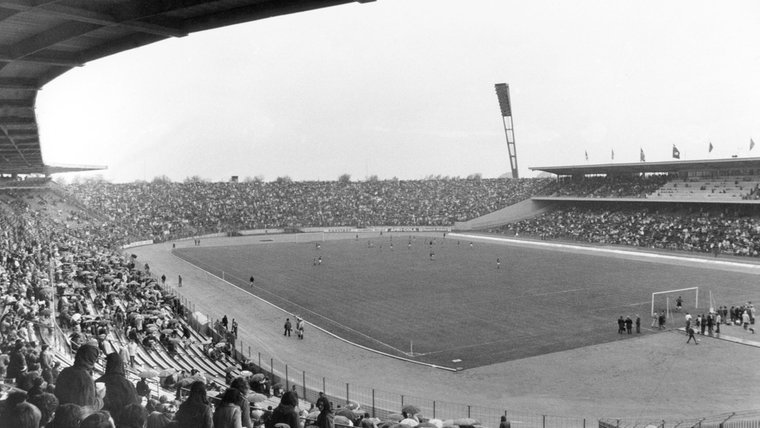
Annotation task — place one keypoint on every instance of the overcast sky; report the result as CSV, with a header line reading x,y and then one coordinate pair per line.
x,y
405,88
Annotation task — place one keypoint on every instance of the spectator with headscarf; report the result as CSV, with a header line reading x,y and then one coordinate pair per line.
x,y
75,384
119,391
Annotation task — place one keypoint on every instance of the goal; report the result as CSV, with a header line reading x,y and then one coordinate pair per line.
x,y
665,301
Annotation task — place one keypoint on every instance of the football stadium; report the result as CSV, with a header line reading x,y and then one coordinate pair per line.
x,y
615,294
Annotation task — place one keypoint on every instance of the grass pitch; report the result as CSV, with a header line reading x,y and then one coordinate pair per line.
x,y
458,309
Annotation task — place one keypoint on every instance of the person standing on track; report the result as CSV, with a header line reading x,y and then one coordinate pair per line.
x,y
251,281
690,331
299,327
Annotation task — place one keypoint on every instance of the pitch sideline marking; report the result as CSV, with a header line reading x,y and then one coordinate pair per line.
x,y
376,351
582,248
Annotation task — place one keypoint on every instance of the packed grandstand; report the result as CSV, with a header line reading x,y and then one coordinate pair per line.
x,y
74,305
88,333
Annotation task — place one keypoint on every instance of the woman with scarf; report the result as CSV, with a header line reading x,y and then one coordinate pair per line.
x,y
75,385
119,391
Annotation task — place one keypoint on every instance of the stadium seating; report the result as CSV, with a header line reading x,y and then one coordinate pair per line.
x,y
47,227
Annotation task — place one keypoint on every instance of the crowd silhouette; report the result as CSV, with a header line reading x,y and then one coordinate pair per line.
x,y
62,246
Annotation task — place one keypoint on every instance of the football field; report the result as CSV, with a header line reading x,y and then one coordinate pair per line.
x,y
458,308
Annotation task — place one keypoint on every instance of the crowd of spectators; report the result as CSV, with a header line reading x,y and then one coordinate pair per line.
x,y
46,251
96,290
164,211
705,229
101,293
638,186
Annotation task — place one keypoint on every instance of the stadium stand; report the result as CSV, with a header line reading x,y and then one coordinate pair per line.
x,y
165,211
104,299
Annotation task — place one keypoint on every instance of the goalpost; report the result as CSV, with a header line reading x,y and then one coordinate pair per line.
x,y
665,300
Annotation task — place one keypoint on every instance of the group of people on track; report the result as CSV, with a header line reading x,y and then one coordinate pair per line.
x,y
289,327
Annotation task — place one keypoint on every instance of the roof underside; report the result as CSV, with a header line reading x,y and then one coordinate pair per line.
x,y
653,167
42,39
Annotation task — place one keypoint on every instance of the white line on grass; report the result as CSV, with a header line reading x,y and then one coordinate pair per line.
x,y
698,260
435,366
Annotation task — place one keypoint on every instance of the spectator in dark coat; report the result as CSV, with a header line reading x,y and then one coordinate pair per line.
x,y
325,418
75,384
17,363
285,412
142,387
119,391
195,411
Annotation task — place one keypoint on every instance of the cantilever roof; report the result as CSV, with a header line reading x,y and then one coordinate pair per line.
x,y
652,167
42,39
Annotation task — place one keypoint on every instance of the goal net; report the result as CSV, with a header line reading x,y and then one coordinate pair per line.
x,y
668,301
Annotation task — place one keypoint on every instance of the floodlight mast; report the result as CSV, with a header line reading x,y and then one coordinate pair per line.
x,y
502,93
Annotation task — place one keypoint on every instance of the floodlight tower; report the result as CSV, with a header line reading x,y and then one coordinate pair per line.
x,y
502,93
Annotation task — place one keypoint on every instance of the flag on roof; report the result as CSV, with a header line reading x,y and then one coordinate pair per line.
x,y
710,148
586,154
642,157
676,153
612,154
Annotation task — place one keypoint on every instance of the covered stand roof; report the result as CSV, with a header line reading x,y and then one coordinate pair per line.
x,y
42,39
653,167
